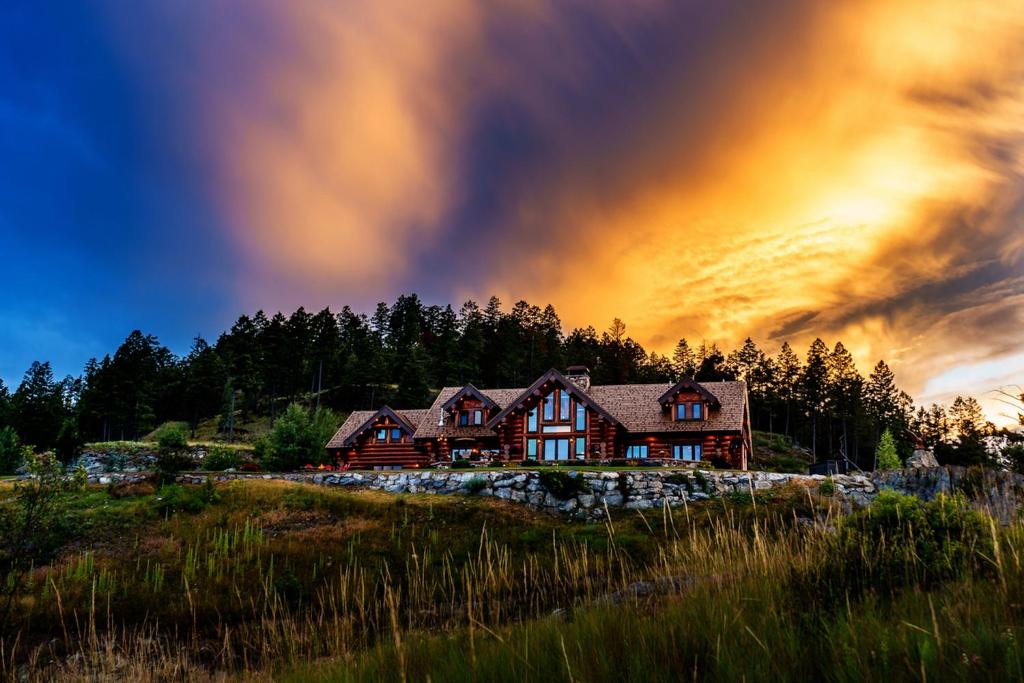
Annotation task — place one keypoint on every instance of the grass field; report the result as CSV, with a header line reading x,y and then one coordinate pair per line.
x,y
274,580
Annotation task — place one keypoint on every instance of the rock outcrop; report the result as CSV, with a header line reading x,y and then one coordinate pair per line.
x,y
1001,493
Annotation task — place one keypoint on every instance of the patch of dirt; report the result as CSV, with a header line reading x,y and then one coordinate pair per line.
x,y
311,525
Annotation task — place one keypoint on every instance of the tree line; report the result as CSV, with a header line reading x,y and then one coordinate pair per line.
x,y
404,352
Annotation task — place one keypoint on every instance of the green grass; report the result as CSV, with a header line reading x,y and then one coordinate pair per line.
x,y
270,579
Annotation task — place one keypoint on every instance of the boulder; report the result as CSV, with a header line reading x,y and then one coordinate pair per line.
x,y
922,458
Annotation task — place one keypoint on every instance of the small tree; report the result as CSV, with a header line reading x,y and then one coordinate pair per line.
x,y
886,457
172,455
31,524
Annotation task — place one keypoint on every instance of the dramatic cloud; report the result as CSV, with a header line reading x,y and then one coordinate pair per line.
x,y
781,170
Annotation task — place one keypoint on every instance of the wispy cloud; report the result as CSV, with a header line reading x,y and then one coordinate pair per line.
x,y
783,170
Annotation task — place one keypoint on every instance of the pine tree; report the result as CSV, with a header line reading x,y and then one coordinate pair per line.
x,y
787,376
845,388
684,360
882,398
38,407
814,391
886,457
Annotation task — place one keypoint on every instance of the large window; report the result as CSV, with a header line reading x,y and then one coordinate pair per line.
x,y
563,408
556,449
549,407
581,447
531,448
581,418
686,451
636,452
531,420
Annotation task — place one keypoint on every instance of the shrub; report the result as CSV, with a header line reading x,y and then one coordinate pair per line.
x,y
219,459
564,485
475,485
174,498
172,436
900,541
702,481
298,437
827,487
250,467
530,462
170,463
461,464
12,453
886,457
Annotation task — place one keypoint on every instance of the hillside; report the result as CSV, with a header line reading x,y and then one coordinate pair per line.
x,y
269,578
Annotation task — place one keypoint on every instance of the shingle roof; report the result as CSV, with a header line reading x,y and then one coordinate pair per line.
x,y
358,418
430,429
636,407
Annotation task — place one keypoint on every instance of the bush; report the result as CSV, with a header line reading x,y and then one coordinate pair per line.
x,y
827,487
250,467
172,436
12,453
170,463
530,462
564,485
298,437
475,485
461,464
219,459
174,498
901,541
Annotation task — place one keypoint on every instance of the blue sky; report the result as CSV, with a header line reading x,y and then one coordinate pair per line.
x,y
98,234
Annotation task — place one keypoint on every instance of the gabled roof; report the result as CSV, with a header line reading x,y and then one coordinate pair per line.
x,y
431,425
468,390
568,385
361,420
638,408
688,383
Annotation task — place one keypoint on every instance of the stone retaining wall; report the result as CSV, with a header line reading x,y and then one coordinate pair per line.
x,y
1001,492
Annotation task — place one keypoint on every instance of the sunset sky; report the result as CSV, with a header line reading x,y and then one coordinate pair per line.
x,y
713,170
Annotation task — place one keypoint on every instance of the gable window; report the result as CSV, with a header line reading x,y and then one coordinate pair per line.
x,y
549,407
563,408
680,411
382,435
531,420
396,435
581,418
696,411
636,452
477,417
687,452
463,419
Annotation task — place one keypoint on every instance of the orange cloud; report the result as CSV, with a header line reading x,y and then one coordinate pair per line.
x,y
780,170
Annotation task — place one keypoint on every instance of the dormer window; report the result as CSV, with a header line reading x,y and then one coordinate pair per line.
x,y
689,411
471,417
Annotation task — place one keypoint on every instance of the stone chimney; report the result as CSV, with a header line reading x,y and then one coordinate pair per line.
x,y
579,375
